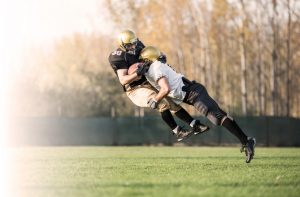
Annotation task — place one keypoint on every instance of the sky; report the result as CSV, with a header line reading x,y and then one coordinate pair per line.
x,y
37,21
26,23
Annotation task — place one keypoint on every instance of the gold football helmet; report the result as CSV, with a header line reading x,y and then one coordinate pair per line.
x,y
127,40
150,53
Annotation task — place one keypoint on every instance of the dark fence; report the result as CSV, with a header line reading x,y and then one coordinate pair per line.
x,y
268,131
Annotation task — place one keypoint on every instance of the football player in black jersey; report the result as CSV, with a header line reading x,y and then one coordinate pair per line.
x,y
139,90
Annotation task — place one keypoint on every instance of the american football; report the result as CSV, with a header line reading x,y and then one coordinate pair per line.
x,y
133,68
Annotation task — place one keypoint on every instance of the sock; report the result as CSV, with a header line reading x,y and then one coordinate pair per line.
x,y
168,118
193,123
232,126
176,130
184,115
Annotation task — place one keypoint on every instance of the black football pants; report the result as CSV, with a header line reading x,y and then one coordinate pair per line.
x,y
196,95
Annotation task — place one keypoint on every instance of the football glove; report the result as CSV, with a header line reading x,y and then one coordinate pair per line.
x,y
142,69
152,103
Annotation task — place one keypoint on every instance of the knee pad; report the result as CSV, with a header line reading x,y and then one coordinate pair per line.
x,y
225,117
217,117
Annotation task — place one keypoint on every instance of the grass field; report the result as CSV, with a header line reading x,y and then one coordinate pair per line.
x,y
155,171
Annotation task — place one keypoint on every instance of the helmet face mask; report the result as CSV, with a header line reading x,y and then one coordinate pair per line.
x,y
130,46
128,40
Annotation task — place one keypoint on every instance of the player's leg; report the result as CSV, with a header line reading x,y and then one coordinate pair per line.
x,y
199,97
182,114
140,97
221,118
197,126
177,130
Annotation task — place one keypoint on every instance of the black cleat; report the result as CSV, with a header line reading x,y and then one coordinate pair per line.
x,y
199,128
249,149
182,134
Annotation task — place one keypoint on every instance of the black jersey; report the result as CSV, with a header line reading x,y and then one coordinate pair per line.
x,y
119,59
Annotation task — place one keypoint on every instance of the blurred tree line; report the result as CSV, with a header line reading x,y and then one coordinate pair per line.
x,y
247,54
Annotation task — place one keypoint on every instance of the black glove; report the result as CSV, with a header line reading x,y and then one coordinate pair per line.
x,y
142,69
162,58
152,103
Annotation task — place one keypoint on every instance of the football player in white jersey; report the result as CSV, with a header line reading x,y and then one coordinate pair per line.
x,y
174,85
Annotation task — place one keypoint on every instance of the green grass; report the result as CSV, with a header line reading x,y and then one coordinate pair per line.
x,y
155,171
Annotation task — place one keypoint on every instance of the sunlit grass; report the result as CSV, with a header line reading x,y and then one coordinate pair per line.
x,y
156,171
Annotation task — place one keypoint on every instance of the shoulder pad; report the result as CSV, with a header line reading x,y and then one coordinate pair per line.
x,y
117,56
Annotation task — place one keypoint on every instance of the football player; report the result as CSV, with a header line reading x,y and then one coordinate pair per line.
x,y
139,90
174,85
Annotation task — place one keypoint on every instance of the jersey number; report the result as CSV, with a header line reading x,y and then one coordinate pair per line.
x,y
117,53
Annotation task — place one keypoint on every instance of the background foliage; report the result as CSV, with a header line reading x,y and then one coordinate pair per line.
x,y
246,53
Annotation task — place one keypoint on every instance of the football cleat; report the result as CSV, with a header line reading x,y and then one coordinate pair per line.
x,y
249,149
182,133
199,128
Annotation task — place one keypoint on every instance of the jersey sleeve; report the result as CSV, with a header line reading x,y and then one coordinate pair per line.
x,y
158,71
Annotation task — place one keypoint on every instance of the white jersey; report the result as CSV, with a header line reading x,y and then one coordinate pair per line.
x,y
158,70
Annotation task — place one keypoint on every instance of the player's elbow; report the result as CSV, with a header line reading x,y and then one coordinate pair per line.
x,y
165,90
